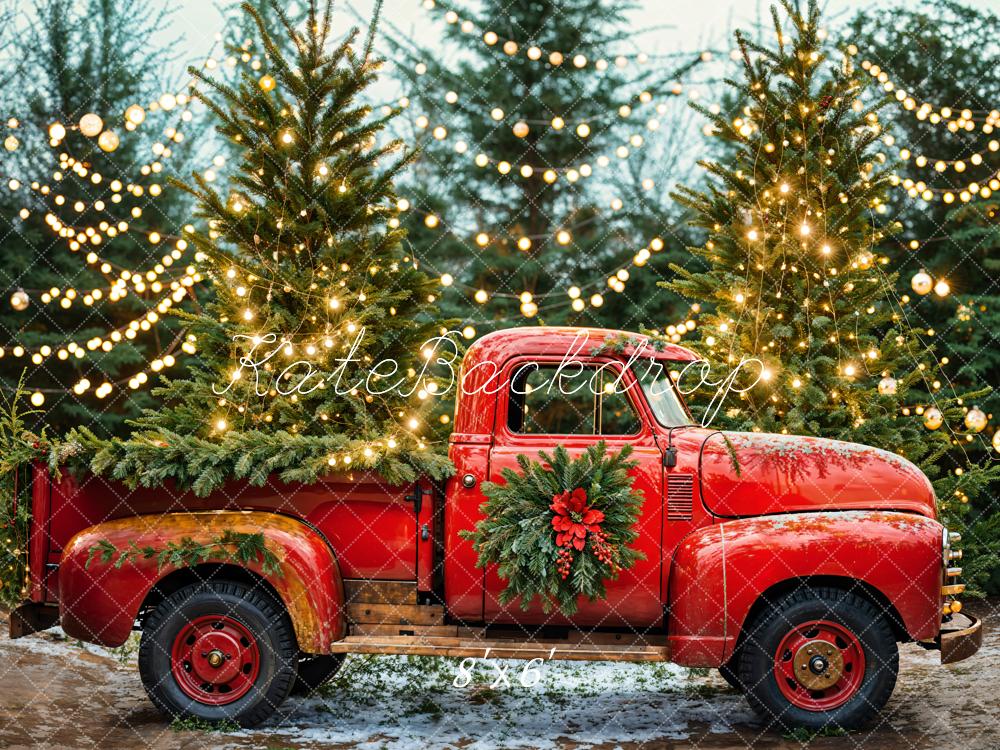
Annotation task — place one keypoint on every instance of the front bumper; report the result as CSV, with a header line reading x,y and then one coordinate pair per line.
x,y
961,639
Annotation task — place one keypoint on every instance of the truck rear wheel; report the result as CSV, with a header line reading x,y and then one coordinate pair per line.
x,y
218,651
819,658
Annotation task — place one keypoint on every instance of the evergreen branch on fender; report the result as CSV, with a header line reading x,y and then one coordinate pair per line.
x,y
232,546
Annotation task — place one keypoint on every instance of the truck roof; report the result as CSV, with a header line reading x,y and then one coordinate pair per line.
x,y
474,418
560,340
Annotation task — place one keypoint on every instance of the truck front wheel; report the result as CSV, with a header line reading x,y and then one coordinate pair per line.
x,y
819,658
218,651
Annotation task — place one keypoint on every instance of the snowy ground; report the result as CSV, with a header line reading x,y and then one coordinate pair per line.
x,y
59,693
415,703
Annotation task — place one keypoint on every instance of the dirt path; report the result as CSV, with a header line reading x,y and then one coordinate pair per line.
x,y
55,694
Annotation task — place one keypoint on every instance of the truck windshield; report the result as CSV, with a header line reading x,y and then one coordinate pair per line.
x,y
662,396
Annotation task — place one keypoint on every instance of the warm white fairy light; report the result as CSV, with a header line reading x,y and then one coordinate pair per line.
x,y
535,52
110,340
550,174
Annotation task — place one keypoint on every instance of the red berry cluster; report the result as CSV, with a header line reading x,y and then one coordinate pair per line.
x,y
603,551
564,561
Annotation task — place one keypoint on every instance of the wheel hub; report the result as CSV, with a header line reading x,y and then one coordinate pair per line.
x,y
215,659
212,657
818,664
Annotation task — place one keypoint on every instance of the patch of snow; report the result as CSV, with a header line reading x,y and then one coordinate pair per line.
x,y
55,642
411,703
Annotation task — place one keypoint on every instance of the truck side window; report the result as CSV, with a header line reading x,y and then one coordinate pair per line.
x,y
544,403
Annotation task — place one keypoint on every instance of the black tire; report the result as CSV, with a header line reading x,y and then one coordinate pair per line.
x,y
788,617
729,671
254,616
314,671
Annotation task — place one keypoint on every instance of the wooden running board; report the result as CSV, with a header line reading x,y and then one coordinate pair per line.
x,y
383,617
638,649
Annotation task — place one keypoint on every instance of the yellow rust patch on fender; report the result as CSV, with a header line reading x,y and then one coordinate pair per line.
x,y
309,582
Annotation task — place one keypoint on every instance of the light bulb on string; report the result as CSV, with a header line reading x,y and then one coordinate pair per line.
x,y
91,125
108,140
19,300
135,114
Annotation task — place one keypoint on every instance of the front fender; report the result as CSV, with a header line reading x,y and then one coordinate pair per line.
x,y
720,571
99,602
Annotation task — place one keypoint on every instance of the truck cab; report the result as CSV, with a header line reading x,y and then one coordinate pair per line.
x,y
793,564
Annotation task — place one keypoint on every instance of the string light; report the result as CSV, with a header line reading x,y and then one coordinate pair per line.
x,y
571,173
539,54
963,119
108,341
91,125
942,165
522,127
919,189
616,282
563,236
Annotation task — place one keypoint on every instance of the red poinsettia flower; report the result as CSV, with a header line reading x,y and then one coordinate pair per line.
x,y
574,518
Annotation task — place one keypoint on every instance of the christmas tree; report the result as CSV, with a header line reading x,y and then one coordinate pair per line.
x,y
972,338
242,29
521,200
795,276
91,258
944,141
244,48
313,346
943,138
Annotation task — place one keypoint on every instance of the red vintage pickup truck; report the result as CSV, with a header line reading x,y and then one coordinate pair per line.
x,y
794,565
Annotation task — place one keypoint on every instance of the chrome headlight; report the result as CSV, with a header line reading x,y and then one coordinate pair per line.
x,y
949,573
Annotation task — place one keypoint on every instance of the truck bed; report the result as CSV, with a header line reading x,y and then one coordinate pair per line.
x,y
341,507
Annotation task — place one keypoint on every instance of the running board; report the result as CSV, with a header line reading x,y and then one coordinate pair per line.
x,y
627,648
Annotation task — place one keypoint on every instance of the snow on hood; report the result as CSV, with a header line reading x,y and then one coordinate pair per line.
x,y
749,474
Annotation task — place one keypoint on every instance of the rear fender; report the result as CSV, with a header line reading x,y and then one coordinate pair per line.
x,y
719,572
99,602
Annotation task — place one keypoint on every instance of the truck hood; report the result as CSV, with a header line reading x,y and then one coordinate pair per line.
x,y
751,474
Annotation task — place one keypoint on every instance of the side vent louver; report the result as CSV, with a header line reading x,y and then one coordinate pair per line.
x,y
680,496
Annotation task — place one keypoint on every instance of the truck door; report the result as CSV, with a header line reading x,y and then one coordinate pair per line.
x,y
576,405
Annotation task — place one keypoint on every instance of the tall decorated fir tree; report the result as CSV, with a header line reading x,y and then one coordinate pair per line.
x,y
521,200
795,276
311,350
91,257
944,137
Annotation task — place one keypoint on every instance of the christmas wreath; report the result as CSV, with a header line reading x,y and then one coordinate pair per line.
x,y
561,527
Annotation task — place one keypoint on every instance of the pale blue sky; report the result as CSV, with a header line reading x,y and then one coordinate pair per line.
x,y
693,24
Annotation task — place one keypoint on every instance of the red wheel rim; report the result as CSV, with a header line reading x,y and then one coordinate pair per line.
x,y
215,659
819,665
